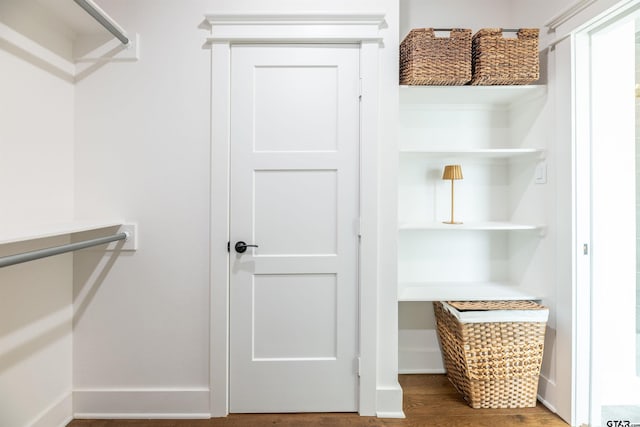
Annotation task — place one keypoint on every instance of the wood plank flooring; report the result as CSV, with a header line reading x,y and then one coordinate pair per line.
x,y
429,400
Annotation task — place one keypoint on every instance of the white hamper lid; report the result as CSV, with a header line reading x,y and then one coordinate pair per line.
x,y
495,314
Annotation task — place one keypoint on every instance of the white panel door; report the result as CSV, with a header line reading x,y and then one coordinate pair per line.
x,y
294,193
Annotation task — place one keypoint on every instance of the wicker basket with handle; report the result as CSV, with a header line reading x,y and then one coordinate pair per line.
x,y
429,60
499,60
493,364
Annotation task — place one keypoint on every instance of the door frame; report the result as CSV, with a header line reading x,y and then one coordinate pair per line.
x,y
228,29
582,226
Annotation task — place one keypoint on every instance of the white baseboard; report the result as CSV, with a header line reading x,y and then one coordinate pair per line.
x,y
547,393
389,402
390,414
59,414
177,403
419,352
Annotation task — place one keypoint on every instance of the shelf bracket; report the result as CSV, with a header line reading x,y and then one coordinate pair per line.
x,y
542,155
542,230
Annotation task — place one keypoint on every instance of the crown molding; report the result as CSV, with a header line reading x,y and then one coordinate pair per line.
x,y
324,27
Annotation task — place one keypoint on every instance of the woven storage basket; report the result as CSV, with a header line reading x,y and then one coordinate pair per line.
x,y
505,61
493,363
429,60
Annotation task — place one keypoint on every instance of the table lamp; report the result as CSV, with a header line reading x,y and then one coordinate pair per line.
x,y
452,172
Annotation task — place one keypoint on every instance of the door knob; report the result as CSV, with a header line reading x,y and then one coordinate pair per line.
x,y
241,247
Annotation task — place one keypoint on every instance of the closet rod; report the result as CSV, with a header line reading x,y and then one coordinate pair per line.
x,y
103,19
57,250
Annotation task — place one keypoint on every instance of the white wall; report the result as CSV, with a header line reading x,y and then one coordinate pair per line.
x,y
141,337
454,14
141,333
36,172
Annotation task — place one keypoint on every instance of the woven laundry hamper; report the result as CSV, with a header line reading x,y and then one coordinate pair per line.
x,y
493,350
499,60
429,60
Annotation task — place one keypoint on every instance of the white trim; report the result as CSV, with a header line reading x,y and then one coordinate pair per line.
x,y
389,402
141,403
568,13
309,18
229,29
560,328
583,361
581,228
219,279
139,416
59,413
369,226
550,392
318,27
380,414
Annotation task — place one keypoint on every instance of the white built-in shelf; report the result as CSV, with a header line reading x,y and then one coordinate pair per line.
x,y
76,24
439,123
41,231
469,226
477,152
485,95
462,291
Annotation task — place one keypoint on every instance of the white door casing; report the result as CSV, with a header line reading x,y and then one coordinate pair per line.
x,y
363,29
603,230
294,193
606,277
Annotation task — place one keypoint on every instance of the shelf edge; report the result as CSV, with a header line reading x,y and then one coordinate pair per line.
x,y
437,291
42,231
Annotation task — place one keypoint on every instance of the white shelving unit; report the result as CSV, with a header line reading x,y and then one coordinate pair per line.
x,y
496,153
485,129
468,226
467,291
470,95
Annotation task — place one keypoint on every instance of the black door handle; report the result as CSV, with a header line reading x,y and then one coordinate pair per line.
x,y
241,247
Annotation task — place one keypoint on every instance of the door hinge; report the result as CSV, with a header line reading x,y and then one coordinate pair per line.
x,y
358,366
358,226
585,249
229,247
360,90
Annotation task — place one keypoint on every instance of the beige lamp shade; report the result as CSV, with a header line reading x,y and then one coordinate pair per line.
x,y
452,172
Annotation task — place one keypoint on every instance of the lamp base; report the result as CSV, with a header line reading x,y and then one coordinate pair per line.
x,y
452,222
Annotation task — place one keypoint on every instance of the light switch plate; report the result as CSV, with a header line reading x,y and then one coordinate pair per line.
x,y
541,173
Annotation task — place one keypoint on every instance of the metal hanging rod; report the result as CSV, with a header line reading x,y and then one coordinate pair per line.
x,y
103,19
57,250
504,30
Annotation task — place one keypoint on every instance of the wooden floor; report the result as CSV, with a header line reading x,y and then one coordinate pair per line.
x,y
429,400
